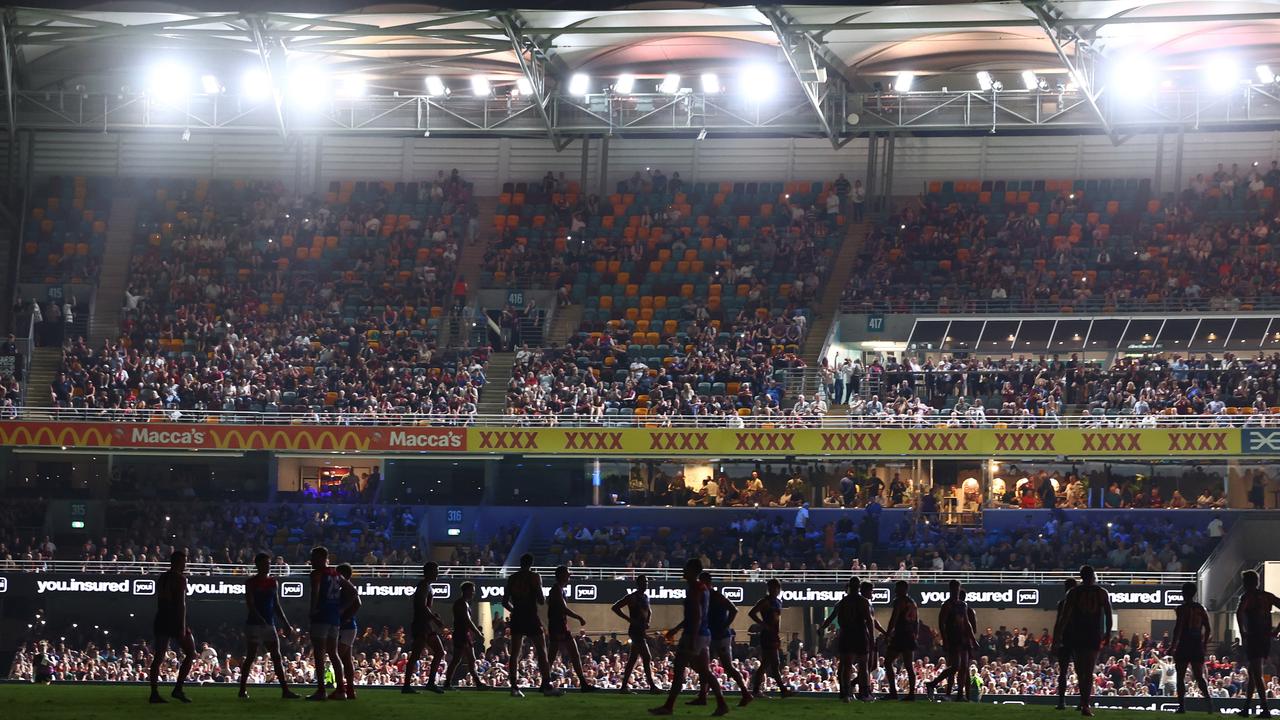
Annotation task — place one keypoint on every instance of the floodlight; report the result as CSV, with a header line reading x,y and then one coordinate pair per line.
x,y
578,84
670,84
255,85
435,86
1221,73
210,84
759,82
523,86
984,80
480,86
625,84
1265,76
351,86
168,80
1029,80
710,83
903,81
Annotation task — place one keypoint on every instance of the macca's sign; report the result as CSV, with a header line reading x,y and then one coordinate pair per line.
x,y
215,436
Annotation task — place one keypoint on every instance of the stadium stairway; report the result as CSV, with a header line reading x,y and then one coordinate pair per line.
x,y
45,362
471,256
564,325
828,307
105,324
493,396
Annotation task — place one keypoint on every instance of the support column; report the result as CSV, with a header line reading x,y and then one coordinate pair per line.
x,y
1157,183
586,159
886,193
602,175
873,148
1177,160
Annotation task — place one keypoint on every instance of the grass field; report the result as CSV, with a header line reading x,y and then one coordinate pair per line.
x,y
101,702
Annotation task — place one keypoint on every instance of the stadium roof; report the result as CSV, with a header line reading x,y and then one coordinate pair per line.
x,y
66,43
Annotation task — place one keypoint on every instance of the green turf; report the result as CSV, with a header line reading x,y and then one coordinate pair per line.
x,y
101,702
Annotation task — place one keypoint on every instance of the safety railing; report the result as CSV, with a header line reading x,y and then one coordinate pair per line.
x,y
975,306
838,420
608,573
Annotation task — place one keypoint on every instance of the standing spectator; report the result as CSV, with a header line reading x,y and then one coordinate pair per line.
x,y
859,198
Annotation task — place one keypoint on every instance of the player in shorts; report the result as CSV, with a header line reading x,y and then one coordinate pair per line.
x,y
425,635
465,633
1087,627
329,591
348,629
261,595
637,616
1253,615
695,639
767,613
521,598
171,625
901,638
854,636
720,616
1191,630
867,590
957,624
1059,648
558,635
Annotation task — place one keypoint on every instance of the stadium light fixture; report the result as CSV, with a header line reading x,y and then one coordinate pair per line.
x,y
1221,73
308,86
759,82
1133,77
1265,76
523,86
351,86
625,84
579,83
210,84
480,86
710,83
670,84
984,80
903,82
1029,80
255,84
168,80
435,86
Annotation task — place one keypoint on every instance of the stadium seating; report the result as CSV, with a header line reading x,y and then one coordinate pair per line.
x,y
66,230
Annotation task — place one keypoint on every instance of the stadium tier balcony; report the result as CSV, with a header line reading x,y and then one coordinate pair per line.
x,y
66,230
243,298
1062,246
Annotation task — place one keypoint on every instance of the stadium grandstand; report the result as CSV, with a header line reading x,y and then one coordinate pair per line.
x,y
981,292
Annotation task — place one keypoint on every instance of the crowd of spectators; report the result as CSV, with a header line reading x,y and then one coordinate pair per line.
x,y
234,532
489,553
243,297
1207,247
1139,544
1008,661
707,370
21,523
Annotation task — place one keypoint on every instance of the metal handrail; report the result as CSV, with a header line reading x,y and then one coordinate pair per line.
x,y
837,421
610,573
976,306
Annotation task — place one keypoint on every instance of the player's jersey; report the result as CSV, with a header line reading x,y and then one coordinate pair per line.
x,y
697,600
557,610
171,593
771,633
718,618
1088,618
906,618
953,620
1256,607
850,614
461,622
326,586
262,593
640,613
1189,619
